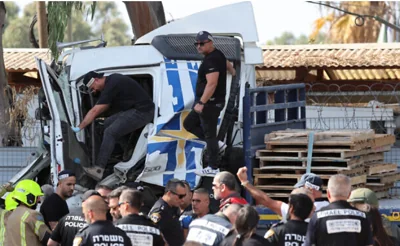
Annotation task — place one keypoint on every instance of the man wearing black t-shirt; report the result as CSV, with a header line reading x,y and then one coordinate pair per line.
x,y
339,223
210,94
129,105
293,232
140,229
55,206
70,224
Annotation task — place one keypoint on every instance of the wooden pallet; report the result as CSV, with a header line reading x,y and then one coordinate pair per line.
x,y
383,140
380,168
292,179
316,170
353,140
350,135
334,153
382,179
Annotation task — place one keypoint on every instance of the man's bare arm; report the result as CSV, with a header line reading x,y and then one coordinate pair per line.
x,y
51,242
260,196
53,224
230,68
92,114
212,82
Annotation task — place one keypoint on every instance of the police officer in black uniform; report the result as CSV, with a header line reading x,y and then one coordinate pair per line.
x,y
293,232
70,224
165,212
140,229
100,231
339,223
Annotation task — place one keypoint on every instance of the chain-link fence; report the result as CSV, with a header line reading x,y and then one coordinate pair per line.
x,y
19,153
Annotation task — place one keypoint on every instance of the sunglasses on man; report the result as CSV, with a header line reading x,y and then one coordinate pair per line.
x,y
180,196
201,43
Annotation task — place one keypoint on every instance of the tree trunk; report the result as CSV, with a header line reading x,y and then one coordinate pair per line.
x,y
42,24
4,102
145,16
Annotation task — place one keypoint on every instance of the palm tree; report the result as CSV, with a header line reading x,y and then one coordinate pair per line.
x,y
344,27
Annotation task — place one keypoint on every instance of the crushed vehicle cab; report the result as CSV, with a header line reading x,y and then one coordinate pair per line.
x,y
165,63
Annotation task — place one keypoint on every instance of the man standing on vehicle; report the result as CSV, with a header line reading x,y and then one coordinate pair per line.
x,y
210,93
130,107
55,206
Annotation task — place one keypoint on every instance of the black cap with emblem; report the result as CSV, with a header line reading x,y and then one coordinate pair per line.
x,y
204,36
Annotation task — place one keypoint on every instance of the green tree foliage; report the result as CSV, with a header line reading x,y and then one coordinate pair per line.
x,y
288,38
107,21
16,33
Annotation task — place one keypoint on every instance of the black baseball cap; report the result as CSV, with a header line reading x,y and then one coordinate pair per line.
x,y
204,36
310,180
88,79
66,174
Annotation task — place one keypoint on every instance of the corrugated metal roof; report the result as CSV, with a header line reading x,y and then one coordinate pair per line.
x,y
332,55
24,59
331,74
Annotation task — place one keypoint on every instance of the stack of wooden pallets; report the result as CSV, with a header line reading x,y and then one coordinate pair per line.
x,y
357,154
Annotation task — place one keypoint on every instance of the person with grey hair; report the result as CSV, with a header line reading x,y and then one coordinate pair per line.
x,y
140,229
339,223
113,199
47,191
211,229
165,212
224,186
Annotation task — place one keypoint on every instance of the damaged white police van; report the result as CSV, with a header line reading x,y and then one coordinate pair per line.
x,y
165,62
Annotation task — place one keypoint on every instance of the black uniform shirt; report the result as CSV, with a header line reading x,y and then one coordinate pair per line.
x,y
339,224
254,240
53,209
167,219
101,233
212,62
68,227
292,232
122,93
141,230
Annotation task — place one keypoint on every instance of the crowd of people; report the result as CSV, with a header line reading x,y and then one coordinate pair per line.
x,y
182,216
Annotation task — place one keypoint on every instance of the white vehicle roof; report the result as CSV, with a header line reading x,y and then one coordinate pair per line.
x,y
112,57
233,20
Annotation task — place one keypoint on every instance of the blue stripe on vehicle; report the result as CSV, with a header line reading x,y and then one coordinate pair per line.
x,y
168,148
193,75
190,154
174,123
191,179
175,81
166,178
